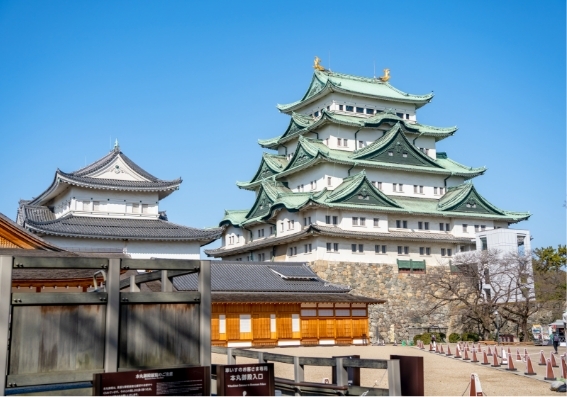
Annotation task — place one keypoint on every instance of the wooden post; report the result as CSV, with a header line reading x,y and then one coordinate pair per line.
x,y
133,286
112,316
341,373
166,284
5,297
205,308
394,384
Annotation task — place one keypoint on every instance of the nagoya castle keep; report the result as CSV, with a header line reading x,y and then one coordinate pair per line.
x,y
355,187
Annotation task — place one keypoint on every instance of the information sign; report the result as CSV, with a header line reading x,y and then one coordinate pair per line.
x,y
246,380
188,381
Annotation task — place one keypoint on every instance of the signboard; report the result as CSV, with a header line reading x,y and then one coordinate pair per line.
x,y
188,381
246,380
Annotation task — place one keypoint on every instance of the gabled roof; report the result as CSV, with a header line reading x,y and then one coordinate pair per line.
x,y
465,198
13,235
38,220
271,164
357,192
301,124
324,82
310,152
115,171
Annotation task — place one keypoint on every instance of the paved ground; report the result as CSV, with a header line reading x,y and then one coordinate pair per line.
x,y
444,376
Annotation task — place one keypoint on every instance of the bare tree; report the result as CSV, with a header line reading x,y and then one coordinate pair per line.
x,y
474,285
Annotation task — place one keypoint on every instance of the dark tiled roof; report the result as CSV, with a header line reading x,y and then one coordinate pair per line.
x,y
257,277
119,183
292,271
37,214
117,228
110,157
334,231
282,297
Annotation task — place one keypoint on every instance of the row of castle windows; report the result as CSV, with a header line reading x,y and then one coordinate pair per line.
x,y
358,110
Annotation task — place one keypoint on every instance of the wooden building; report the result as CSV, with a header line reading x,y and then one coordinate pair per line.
x,y
280,304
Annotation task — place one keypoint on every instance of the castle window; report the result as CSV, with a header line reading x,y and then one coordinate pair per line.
x,y
476,228
345,142
403,250
292,251
145,209
307,248
404,154
376,220
482,228
359,110
329,247
355,221
362,221
390,153
329,181
401,224
407,116
316,114
335,220
360,144
328,219
369,111
400,115
442,251
336,247
426,225
307,221
435,190
465,228
339,142
96,205
380,249
349,108
420,225
282,226
340,107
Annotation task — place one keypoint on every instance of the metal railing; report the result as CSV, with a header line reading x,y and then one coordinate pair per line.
x,y
340,366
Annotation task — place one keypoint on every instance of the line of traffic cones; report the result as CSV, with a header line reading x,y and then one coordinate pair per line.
x,y
549,375
529,366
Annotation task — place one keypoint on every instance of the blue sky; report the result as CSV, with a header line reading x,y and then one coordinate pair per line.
x,y
189,87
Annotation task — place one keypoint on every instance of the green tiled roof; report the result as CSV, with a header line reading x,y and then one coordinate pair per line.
x,y
301,124
234,217
271,164
324,82
313,151
356,192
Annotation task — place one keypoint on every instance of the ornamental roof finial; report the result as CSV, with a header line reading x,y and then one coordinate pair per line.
x,y
116,145
386,76
317,65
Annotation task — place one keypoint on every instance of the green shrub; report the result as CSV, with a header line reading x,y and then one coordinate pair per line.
x,y
426,338
454,337
469,337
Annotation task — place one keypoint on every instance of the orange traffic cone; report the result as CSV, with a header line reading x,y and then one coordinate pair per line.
x,y
511,364
441,349
474,359
495,361
466,357
448,350
541,358
489,352
484,358
458,352
529,366
525,352
563,362
504,358
552,359
549,375
518,356
475,388
436,348
430,346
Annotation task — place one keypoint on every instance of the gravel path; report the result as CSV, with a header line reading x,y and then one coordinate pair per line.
x,y
444,376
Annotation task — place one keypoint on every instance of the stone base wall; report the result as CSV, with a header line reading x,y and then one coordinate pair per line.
x,y
400,317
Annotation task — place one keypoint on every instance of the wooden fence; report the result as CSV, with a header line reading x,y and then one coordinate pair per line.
x,y
298,386
52,339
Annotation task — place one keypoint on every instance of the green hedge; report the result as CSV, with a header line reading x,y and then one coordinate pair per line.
x,y
469,337
454,337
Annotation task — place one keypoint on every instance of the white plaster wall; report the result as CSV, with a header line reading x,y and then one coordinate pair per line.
x,y
235,232
113,203
459,230
136,249
334,99
504,240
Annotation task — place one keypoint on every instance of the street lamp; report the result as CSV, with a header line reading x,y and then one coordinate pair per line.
x,y
497,327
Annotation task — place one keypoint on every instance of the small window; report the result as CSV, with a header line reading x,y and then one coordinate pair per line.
x,y
369,111
316,114
427,251
328,219
415,188
335,220
390,153
447,228
407,116
360,247
353,247
376,249
145,209
379,185
482,228
400,250
282,229
359,110
292,225
400,115
329,247
360,144
420,225
465,228
400,187
449,252
404,154
476,228
394,186
376,221
362,221
383,249
355,221
96,205
135,208
336,247
398,224
349,108
484,243
340,107
435,190
442,226
406,250
421,189
442,251
329,181
339,142
405,224
421,250
441,190
345,142
426,225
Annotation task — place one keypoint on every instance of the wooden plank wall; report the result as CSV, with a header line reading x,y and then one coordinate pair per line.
x,y
57,338
159,335
343,329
